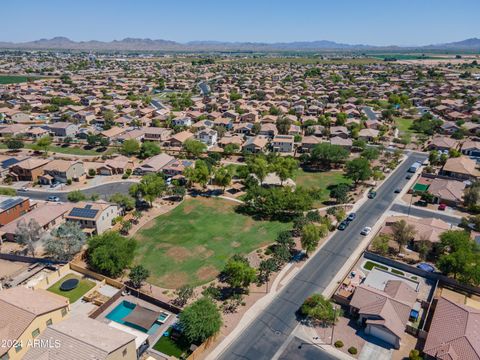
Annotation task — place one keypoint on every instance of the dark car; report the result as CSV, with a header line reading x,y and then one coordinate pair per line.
x,y
398,190
421,203
409,176
351,216
372,194
343,225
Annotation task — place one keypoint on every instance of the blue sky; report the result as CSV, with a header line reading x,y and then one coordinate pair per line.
x,y
376,22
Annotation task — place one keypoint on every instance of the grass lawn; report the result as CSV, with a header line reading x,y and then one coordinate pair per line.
x,y
398,272
320,180
369,265
191,244
14,79
404,125
171,347
73,295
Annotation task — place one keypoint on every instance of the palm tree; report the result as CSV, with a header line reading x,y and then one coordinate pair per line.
x,y
403,233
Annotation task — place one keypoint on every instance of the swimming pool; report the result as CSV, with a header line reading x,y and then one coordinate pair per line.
x,y
124,308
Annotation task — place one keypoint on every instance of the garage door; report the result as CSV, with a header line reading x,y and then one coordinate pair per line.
x,y
382,334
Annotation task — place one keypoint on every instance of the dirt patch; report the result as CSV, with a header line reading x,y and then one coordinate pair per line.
x,y
178,253
218,238
161,246
172,280
235,244
222,206
188,207
202,252
249,223
206,273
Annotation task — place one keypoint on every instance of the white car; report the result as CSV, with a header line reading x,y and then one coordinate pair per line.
x,y
366,230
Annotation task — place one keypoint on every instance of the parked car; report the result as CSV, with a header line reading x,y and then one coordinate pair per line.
x,y
351,216
398,190
442,207
409,176
426,267
372,194
421,203
23,188
366,230
343,225
53,198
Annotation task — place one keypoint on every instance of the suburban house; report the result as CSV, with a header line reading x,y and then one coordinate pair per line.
x,y
442,143
93,218
368,134
449,192
268,129
155,164
208,137
471,148
384,313
283,143
462,168
115,166
340,131
308,142
83,338
47,216
157,134
24,314
177,167
61,171
28,170
453,332
62,129
182,121
341,141
179,139
255,144
12,208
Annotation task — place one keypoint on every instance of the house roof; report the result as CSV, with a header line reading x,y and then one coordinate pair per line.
x,y
32,163
157,162
444,142
19,306
392,305
80,338
447,189
462,165
428,229
60,165
454,332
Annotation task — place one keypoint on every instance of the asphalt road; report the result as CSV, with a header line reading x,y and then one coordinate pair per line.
x,y
370,113
417,212
104,191
265,335
297,349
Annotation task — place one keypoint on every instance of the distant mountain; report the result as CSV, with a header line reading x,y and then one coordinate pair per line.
x,y
136,44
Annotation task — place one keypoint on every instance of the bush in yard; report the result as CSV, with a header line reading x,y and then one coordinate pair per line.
x,y
200,320
110,253
138,274
352,350
338,344
76,196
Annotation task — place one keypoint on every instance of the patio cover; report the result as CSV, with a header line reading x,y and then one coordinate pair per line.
x,y
420,187
142,317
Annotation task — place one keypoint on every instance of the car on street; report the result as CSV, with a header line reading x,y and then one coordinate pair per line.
x,y
351,216
372,194
366,230
23,188
426,267
442,207
421,203
53,198
409,176
343,225
398,190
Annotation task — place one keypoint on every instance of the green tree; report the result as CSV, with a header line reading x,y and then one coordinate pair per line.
x,y
130,147
285,167
310,238
194,148
43,144
138,274
76,196
149,149
371,153
151,187
259,167
125,201
317,308
325,155
358,170
380,244
200,320
14,144
28,234
402,233
340,193
199,174
238,273
110,253
283,125
230,149
223,177
65,241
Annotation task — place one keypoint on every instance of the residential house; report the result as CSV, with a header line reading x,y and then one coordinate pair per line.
x,y
115,166
182,121
442,143
208,136
155,164
62,129
93,218
283,143
255,144
471,148
83,338
178,139
177,167
368,134
28,170
462,168
453,332
12,208
340,141
384,313
339,131
308,143
24,314
160,135
48,216
62,171
269,130
449,192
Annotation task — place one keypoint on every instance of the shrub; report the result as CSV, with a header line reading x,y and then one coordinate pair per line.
x,y
352,350
338,344
92,172
69,181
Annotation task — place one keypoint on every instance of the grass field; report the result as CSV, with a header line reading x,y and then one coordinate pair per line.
x,y
369,265
15,79
73,295
320,180
191,244
404,125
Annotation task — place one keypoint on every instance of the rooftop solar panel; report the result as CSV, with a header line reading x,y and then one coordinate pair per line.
x,y
84,213
9,203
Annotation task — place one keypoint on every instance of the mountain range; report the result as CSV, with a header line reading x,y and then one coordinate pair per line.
x,y
137,44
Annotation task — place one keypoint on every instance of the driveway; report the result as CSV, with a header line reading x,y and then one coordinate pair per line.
x,y
372,351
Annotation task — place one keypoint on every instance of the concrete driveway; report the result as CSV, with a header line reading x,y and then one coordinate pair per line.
x,y
372,351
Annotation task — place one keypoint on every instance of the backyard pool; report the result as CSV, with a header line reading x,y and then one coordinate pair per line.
x,y
124,308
